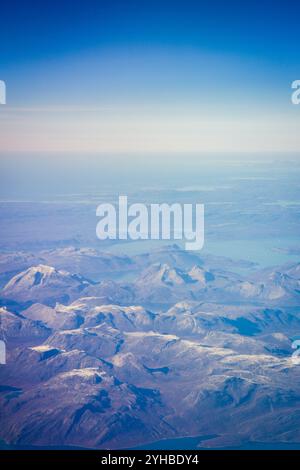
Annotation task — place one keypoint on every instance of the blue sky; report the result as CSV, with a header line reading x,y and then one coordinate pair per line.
x,y
139,77
40,30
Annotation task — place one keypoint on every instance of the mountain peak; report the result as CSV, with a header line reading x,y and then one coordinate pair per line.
x,y
198,273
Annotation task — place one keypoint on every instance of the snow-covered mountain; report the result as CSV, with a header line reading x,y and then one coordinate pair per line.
x,y
15,262
113,386
16,326
89,262
163,285
44,284
180,350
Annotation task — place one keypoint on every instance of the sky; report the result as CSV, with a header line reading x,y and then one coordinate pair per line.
x,y
149,77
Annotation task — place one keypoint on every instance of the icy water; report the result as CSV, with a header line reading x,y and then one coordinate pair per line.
x,y
252,209
265,252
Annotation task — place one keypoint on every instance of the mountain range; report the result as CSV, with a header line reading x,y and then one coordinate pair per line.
x,y
184,346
